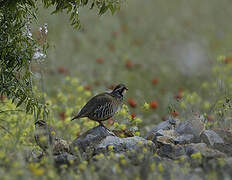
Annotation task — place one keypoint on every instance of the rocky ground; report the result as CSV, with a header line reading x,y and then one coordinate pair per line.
x,y
174,144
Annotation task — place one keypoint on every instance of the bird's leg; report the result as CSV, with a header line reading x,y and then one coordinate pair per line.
x,y
101,124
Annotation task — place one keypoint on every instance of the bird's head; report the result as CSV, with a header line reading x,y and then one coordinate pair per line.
x,y
40,123
120,90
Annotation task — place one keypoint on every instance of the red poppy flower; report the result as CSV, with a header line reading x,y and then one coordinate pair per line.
x,y
111,47
210,118
124,28
174,113
133,115
155,81
132,102
62,70
115,34
100,60
178,96
153,104
62,115
228,60
129,64
181,89
88,87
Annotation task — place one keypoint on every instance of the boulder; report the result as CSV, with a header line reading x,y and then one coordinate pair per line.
x,y
226,147
65,158
194,127
166,125
165,136
203,149
211,138
171,136
101,140
60,146
184,139
123,144
87,142
171,151
33,155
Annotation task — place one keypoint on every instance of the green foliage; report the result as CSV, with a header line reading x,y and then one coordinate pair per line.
x,y
18,48
72,7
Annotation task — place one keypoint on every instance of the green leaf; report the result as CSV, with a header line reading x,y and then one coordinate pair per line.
x,y
112,8
28,107
103,9
92,5
21,101
85,2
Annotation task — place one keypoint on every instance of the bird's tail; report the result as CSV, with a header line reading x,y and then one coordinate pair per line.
x,y
76,117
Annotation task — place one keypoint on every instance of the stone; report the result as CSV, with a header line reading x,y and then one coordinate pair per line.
x,y
194,127
226,135
211,138
123,133
123,144
165,136
98,140
65,158
171,151
226,147
166,125
203,149
60,146
184,139
33,155
86,143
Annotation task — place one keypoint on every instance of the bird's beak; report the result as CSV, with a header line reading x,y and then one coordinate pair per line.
x,y
124,90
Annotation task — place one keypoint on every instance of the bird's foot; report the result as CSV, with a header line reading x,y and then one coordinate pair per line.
x,y
110,132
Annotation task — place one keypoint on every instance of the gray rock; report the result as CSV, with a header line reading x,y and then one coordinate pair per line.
x,y
98,140
33,155
203,149
123,144
171,151
171,136
194,127
59,146
168,133
184,139
211,138
86,143
226,135
65,158
165,137
166,125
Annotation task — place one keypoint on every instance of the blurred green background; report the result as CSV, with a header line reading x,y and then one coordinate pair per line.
x,y
157,48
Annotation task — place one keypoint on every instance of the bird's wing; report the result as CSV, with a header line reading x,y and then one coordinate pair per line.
x,y
95,104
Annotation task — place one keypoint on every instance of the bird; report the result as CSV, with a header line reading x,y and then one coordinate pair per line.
x,y
46,137
44,134
103,106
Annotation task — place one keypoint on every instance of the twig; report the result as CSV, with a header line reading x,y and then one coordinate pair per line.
x,y
10,110
31,87
5,129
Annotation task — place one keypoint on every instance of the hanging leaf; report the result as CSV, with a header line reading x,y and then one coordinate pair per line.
x,y
21,101
92,5
103,9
